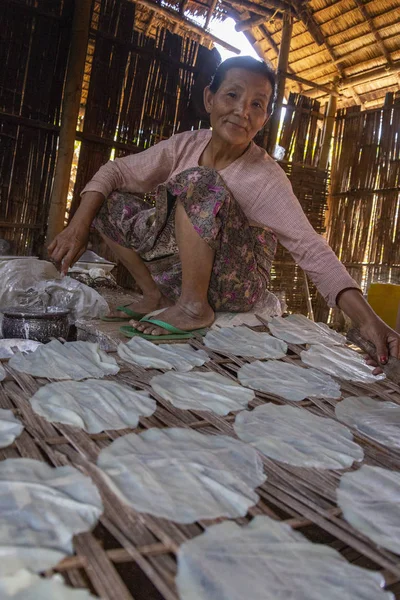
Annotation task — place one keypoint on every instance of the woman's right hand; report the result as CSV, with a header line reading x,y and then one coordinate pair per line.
x,y
68,246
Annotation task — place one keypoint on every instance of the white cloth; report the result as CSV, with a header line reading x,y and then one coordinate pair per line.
x,y
10,427
369,499
28,586
202,391
267,560
340,362
183,475
72,360
242,341
298,437
297,329
288,381
181,357
92,405
375,419
41,509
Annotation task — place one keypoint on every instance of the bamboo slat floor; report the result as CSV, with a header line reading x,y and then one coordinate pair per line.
x,y
131,555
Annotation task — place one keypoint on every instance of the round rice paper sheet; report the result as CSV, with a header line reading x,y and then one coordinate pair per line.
x,y
10,427
28,586
267,560
72,360
288,381
242,341
41,509
340,362
369,499
93,405
143,353
298,437
202,391
297,329
378,420
183,475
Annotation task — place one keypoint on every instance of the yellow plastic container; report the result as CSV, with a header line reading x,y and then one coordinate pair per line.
x,y
385,300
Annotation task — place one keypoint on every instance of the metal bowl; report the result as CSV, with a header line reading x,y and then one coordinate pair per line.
x,y
32,324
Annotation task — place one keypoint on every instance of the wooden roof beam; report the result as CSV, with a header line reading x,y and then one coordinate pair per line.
x,y
348,42
373,29
306,16
311,84
255,21
262,9
394,12
177,18
367,77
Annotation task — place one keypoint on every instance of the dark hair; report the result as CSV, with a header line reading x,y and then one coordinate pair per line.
x,y
249,64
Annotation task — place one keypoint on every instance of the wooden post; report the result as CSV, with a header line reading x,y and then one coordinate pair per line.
x,y
328,132
283,61
69,118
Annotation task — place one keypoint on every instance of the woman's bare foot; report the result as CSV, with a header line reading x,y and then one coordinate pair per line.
x,y
184,316
146,305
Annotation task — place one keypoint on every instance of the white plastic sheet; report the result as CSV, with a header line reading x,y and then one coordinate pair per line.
x,y
298,437
41,509
10,427
181,357
375,419
297,329
202,391
72,360
288,381
242,341
267,560
37,283
182,475
8,347
340,362
29,586
369,499
92,405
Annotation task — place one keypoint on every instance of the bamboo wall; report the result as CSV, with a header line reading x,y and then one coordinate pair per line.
x,y
365,195
33,56
300,138
139,88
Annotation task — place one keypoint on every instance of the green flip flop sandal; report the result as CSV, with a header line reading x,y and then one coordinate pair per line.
x,y
174,332
131,314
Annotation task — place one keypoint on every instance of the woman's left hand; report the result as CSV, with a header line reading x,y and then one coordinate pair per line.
x,y
371,327
385,339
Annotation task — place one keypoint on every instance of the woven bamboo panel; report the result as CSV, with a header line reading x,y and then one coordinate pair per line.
x,y
310,185
33,53
364,202
132,555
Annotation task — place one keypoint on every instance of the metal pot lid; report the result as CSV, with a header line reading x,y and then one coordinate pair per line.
x,y
23,312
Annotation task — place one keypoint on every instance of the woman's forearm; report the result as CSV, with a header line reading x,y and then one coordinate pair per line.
x,y
353,304
90,205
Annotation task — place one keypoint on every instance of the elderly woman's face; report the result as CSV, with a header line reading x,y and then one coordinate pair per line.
x,y
238,109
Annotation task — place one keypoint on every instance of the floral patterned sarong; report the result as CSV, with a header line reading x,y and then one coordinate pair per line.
x,y
243,253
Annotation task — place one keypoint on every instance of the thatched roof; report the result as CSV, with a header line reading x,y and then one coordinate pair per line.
x,y
354,44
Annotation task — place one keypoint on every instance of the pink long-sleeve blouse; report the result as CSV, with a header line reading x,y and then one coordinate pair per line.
x,y
258,184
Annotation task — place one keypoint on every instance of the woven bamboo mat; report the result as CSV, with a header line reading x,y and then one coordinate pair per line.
x,y
131,555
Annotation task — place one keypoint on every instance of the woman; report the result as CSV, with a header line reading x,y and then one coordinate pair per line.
x,y
221,205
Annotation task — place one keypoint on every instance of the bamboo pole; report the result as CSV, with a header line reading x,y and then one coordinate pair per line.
x,y
283,61
327,132
313,85
70,111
